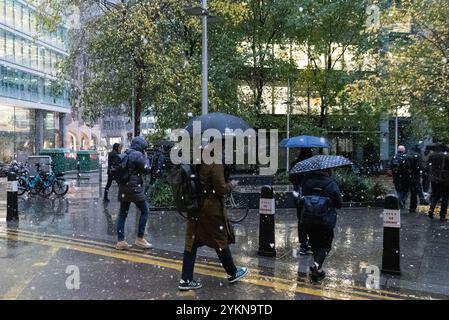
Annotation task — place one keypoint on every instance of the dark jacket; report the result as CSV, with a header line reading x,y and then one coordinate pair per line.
x,y
111,156
322,180
212,228
133,190
296,178
401,170
439,168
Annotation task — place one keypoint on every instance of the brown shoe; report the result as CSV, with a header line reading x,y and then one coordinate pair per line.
x,y
142,243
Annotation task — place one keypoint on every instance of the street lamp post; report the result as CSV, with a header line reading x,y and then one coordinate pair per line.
x,y
204,88
206,18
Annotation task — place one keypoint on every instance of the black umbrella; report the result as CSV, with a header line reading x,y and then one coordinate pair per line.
x,y
220,121
320,162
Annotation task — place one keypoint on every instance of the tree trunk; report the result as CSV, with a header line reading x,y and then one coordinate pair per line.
x,y
138,108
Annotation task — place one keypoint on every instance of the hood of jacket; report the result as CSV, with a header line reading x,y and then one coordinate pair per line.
x,y
139,144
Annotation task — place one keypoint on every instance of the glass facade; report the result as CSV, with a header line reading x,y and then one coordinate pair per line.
x,y
29,90
21,17
17,133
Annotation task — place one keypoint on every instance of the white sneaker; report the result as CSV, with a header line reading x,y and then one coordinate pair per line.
x,y
122,245
142,243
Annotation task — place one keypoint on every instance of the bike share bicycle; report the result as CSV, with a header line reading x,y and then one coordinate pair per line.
x,y
43,183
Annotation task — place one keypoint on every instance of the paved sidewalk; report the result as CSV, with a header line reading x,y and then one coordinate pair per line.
x,y
357,245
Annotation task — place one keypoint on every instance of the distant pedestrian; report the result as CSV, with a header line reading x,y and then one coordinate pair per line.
x,y
402,178
133,191
112,157
158,162
211,227
416,190
439,179
321,195
425,171
295,179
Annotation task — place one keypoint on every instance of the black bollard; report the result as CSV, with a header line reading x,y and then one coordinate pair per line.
x,y
392,226
12,211
267,245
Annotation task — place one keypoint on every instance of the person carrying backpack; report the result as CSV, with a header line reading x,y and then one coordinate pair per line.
x,y
209,226
402,177
295,179
112,157
135,164
321,199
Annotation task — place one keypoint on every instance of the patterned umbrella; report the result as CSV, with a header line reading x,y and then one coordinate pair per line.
x,y
320,162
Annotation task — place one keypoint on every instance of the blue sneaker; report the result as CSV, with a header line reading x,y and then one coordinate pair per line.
x,y
241,272
189,285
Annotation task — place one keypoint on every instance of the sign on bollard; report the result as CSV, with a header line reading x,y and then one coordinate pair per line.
x,y
12,211
267,210
392,225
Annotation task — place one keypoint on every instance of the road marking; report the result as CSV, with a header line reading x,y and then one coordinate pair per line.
x,y
16,290
203,269
214,266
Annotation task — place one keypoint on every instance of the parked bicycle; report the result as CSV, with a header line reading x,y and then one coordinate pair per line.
x,y
237,207
43,183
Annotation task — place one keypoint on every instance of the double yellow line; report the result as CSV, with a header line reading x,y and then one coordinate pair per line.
x,y
207,269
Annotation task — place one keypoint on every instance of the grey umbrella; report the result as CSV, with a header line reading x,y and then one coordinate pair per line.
x,y
220,121
320,162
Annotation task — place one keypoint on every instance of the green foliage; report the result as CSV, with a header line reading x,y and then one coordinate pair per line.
x,y
356,188
161,194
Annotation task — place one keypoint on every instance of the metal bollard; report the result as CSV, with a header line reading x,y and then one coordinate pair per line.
x,y
267,245
12,207
78,168
392,226
100,178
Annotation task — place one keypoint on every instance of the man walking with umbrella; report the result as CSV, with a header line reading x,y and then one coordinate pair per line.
x,y
321,198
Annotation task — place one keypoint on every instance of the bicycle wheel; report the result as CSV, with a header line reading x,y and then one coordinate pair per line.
x,y
60,187
237,208
22,186
45,190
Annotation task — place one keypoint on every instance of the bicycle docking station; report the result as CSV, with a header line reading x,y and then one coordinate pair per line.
x,y
267,210
392,225
12,207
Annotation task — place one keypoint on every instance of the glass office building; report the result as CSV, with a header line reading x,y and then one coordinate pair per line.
x,y
32,102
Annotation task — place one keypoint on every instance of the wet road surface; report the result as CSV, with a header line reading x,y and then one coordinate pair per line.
x,y
80,231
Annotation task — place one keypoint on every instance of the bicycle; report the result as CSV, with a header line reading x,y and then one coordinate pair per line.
x,y
37,184
237,207
59,185
237,210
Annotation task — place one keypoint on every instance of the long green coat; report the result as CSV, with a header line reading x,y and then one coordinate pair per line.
x,y
212,227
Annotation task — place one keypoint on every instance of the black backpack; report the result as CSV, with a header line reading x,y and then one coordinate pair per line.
x,y
401,165
119,169
316,210
188,192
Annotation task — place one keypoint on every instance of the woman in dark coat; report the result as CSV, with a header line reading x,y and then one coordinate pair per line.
x,y
211,228
133,191
321,183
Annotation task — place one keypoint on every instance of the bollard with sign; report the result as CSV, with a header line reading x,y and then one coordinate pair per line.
x,y
12,211
392,225
266,226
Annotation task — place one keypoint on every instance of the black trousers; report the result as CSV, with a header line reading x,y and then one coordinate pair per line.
x,y
302,232
321,242
188,262
108,184
439,191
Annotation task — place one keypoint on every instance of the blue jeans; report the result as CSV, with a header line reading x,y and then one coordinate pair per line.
x,y
121,219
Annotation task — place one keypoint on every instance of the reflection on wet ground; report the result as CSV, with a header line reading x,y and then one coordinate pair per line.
x,y
80,215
